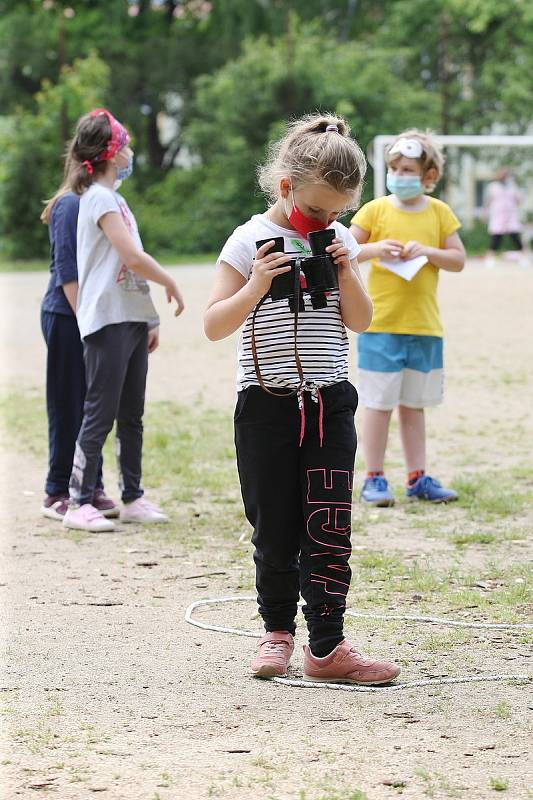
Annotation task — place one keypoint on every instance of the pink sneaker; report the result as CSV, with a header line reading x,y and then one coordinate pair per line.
x,y
142,511
345,665
87,518
104,504
275,651
55,506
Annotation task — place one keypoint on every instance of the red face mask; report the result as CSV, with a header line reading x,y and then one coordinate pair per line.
x,y
304,225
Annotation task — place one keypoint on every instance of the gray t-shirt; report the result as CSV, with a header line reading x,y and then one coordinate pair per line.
x,y
108,291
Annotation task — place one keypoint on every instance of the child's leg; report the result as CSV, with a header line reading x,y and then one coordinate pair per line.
x,y
376,432
413,436
65,393
266,439
326,477
106,355
130,416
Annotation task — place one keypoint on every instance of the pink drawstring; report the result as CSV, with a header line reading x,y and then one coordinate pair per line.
x,y
320,417
301,404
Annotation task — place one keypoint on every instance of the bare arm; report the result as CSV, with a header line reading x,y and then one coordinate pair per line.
x,y
71,293
451,257
232,297
356,305
386,248
136,259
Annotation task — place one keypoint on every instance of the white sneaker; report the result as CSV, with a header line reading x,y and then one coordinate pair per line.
x,y
142,511
87,518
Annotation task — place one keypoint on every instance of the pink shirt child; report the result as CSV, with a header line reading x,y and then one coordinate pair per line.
x,y
503,202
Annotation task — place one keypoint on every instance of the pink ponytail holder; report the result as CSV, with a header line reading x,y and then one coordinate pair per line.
x,y
333,128
88,166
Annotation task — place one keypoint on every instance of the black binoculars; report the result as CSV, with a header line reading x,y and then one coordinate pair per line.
x,y
319,269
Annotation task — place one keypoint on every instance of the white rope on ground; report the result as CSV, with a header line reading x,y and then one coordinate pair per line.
x,y
394,617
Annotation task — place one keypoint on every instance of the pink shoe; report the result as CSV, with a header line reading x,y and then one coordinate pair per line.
x,y
142,511
87,518
345,665
275,651
104,504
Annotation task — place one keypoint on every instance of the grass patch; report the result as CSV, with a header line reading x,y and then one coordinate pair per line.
x,y
165,258
492,495
189,462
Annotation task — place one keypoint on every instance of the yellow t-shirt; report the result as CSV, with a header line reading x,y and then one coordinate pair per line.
x,y
402,306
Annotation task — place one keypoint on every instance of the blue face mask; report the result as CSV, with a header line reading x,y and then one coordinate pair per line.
x,y
405,187
125,172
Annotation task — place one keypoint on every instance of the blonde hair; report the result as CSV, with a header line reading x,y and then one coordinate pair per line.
x,y
432,156
308,153
90,141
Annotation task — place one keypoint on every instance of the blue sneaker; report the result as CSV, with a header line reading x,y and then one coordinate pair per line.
x,y
427,488
376,492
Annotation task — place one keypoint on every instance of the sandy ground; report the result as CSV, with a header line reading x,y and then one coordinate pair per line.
x,y
107,691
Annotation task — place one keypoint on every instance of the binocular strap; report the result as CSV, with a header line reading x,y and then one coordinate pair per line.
x,y
296,354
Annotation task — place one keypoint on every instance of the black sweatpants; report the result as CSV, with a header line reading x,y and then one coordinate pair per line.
x,y
298,500
497,238
65,395
116,363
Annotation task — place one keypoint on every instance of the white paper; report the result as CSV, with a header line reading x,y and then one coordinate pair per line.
x,y
405,269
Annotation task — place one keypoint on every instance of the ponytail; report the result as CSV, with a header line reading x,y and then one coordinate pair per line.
x,y
316,149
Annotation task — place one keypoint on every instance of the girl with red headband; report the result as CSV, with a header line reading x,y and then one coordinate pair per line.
x,y
117,321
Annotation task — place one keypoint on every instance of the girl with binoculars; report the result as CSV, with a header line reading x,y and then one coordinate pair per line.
x,y
296,440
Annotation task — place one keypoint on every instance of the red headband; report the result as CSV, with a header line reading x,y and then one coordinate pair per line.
x,y
119,135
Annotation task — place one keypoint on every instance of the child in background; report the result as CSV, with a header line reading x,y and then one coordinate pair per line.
x,y
401,353
296,449
65,369
117,320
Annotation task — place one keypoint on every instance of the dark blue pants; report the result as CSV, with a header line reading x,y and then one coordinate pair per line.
x,y
65,395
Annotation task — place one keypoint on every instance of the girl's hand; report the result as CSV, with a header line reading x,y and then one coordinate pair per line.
x,y
414,249
174,293
266,267
153,339
390,249
339,253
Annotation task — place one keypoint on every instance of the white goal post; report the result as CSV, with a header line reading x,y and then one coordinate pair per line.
x,y
487,140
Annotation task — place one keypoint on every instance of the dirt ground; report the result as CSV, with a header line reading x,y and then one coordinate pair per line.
x,y
107,691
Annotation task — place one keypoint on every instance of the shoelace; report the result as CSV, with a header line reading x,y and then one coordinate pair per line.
x,y
427,482
379,483
147,506
273,648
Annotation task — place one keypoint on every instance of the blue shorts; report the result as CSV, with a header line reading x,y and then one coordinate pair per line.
x,y
400,369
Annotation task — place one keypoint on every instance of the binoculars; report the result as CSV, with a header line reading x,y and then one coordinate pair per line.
x,y
319,269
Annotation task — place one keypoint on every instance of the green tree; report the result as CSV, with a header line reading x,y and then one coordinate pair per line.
x,y
31,143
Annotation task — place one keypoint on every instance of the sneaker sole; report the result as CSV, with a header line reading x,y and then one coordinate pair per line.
x,y
439,500
110,513
51,513
379,503
144,521
268,671
348,680
78,527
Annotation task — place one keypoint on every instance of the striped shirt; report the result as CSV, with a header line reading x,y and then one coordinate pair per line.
x,y
322,338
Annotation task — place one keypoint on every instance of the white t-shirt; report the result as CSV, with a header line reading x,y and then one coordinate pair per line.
x,y
322,339
108,291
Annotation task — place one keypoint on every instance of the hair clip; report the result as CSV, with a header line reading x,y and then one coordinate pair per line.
x,y
88,166
333,128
